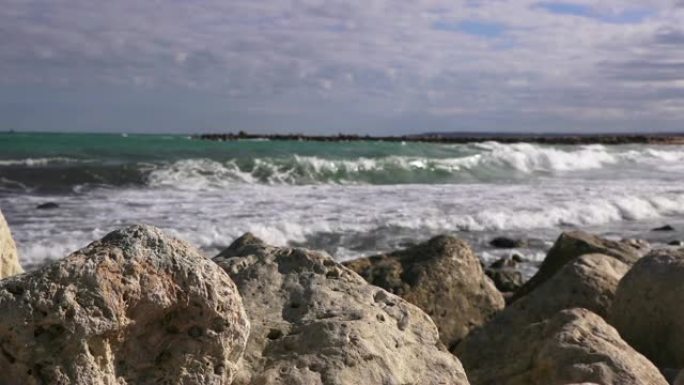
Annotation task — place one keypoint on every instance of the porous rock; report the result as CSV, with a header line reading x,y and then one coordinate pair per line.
x,y
316,322
573,244
573,346
441,276
136,307
587,282
647,309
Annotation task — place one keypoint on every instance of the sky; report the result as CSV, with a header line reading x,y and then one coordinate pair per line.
x,y
325,67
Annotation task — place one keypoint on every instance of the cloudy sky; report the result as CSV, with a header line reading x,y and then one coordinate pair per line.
x,y
312,66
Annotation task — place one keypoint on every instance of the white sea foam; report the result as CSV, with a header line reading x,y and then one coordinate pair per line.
x,y
348,221
198,174
485,162
34,162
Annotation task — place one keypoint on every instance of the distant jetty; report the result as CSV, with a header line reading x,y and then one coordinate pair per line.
x,y
608,139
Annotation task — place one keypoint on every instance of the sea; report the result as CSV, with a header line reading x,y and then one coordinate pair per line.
x,y
350,199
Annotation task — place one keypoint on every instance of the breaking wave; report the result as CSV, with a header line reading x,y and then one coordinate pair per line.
x,y
489,162
483,162
35,162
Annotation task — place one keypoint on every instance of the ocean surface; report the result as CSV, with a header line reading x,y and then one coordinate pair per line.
x,y
350,199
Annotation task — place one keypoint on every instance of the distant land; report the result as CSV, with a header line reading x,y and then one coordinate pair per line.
x,y
468,137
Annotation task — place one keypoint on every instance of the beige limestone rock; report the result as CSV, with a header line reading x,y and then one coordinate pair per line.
x,y
441,276
316,322
573,244
9,259
589,281
648,309
137,307
574,346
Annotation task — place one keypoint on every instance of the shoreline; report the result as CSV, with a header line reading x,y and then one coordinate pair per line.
x,y
462,138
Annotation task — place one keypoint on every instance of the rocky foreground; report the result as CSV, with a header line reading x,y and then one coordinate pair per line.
x,y
140,307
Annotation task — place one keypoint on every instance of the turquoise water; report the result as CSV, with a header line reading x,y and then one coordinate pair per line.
x,y
117,159
65,162
351,199
116,148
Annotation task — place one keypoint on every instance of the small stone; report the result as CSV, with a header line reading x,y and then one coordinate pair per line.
x,y
506,243
47,206
506,280
505,262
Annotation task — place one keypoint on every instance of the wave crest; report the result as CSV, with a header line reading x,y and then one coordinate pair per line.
x,y
35,162
478,163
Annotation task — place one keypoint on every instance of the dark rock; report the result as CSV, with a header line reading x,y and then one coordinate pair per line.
x,y
47,206
506,262
443,277
676,243
506,280
664,228
671,375
506,243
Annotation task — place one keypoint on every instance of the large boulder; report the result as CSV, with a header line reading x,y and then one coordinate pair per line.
x,y
573,244
573,346
441,276
588,282
136,307
316,322
648,309
9,261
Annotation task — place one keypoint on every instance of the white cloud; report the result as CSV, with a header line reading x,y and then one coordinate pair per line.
x,y
379,58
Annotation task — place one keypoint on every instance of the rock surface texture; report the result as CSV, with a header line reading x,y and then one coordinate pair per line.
x,y
572,244
589,282
443,277
572,347
648,308
9,260
316,322
136,307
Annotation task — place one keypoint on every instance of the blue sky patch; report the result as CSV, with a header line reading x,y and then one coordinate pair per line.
x,y
627,16
630,16
567,9
472,27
